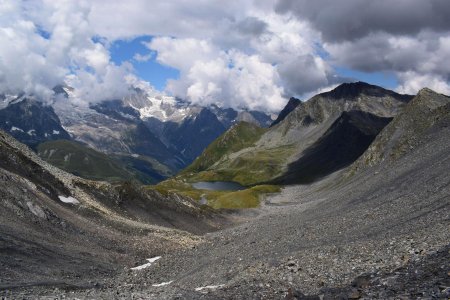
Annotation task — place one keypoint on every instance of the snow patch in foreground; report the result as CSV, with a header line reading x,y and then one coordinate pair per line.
x,y
163,283
69,200
150,262
14,128
209,287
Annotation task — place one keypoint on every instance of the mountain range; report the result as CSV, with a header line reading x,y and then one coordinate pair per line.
x,y
149,135
309,140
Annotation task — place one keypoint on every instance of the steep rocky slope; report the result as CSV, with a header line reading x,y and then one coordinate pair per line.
x,y
346,139
425,111
63,231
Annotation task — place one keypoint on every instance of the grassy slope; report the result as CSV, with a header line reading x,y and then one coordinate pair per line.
x,y
240,136
88,163
252,167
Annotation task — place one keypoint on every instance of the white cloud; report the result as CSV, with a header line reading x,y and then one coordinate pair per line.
x,y
108,84
211,75
412,82
182,53
50,42
241,54
276,59
23,62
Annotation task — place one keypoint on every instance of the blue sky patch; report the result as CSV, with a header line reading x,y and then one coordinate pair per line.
x,y
149,70
384,79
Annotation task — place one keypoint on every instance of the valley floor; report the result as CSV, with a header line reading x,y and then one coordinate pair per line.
x,y
383,233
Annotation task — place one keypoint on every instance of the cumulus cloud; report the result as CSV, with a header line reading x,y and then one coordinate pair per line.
x,y
240,55
277,59
211,75
23,64
51,42
413,82
184,19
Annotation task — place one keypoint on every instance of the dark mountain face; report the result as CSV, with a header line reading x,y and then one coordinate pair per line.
x,y
354,89
290,106
194,134
346,139
142,141
116,110
32,122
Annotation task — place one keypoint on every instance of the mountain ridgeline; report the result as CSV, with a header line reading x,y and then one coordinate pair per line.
x,y
308,141
290,106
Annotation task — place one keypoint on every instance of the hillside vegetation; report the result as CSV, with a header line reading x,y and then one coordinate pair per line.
x,y
88,163
241,135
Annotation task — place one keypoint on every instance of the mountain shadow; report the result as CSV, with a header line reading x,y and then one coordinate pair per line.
x,y
346,140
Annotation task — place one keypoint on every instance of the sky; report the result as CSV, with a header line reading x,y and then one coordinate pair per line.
x,y
252,54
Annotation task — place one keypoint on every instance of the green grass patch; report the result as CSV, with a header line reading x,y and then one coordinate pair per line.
x,y
248,198
79,159
240,136
249,168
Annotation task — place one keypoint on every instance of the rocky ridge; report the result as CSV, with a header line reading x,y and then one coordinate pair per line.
x,y
276,152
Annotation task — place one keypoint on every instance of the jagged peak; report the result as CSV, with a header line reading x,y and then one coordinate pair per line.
x,y
352,89
293,100
429,98
427,91
288,108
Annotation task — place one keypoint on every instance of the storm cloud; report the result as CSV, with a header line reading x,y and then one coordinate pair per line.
x,y
409,38
348,20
